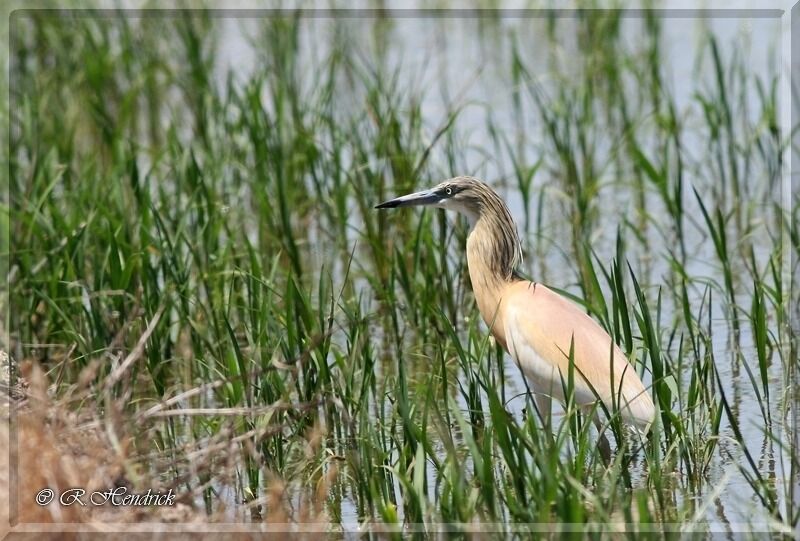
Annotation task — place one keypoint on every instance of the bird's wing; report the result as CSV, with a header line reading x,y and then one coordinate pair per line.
x,y
541,327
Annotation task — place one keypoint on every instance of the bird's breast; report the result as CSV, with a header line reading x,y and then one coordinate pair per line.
x,y
488,287
489,298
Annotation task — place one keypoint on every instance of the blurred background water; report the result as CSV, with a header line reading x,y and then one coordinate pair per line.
x,y
472,82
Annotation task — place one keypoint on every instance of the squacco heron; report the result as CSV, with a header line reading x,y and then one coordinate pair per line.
x,y
539,328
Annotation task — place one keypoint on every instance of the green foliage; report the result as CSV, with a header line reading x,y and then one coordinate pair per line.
x,y
235,212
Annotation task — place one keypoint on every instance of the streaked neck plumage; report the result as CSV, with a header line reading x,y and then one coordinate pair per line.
x,y
493,252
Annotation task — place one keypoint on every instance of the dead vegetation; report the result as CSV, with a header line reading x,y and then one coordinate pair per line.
x,y
51,444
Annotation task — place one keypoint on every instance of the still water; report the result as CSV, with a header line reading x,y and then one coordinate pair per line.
x,y
464,62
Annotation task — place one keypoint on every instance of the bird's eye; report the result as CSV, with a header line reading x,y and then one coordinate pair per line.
x,y
448,191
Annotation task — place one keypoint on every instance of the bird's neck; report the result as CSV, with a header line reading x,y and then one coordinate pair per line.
x,y
492,254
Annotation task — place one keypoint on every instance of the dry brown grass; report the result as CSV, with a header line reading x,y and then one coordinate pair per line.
x,y
51,446
50,443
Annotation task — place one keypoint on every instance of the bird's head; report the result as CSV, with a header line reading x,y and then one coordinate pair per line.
x,y
465,195
479,203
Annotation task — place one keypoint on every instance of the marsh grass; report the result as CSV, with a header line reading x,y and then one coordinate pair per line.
x,y
201,253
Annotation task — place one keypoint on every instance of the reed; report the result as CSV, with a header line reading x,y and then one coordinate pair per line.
x,y
297,347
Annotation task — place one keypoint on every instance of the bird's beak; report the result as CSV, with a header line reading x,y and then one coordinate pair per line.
x,y
426,197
